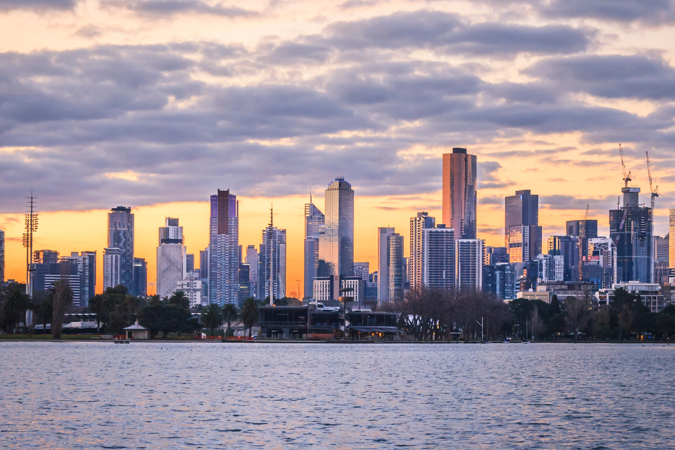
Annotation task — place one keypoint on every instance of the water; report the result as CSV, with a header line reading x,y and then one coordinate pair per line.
x,y
155,395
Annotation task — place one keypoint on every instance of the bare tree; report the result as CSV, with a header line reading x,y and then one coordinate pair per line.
x,y
578,314
537,323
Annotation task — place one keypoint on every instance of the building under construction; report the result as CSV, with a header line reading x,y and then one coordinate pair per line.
x,y
631,230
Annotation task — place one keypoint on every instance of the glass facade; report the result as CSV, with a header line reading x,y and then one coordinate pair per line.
x,y
459,192
224,249
121,236
395,246
314,226
438,267
336,244
522,233
383,234
417,226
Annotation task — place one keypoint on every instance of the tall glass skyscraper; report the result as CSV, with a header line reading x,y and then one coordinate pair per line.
x,y
395,246
272,262
224,249
630,227
336,244
383,234
314,226
171,257
522,232
417,226
459,193
2,256
121,236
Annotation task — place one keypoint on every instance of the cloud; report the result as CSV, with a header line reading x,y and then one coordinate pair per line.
x,y
649,11
609,76
175,7
37,5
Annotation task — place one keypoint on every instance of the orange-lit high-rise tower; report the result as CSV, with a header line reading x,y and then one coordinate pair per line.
x,y
459,192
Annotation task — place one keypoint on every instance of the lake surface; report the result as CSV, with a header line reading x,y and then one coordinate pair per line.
x,y
154,395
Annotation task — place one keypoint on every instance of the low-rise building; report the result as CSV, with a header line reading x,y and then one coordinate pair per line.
x,y
650,294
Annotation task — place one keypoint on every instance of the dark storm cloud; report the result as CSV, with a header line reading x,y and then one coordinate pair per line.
x,y
37,5
174,7
610,76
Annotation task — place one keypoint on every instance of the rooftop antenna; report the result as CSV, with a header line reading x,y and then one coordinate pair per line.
x,y
626,175
31,226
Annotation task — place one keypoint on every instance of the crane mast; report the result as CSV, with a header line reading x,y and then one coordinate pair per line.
x,y
654,190
626,173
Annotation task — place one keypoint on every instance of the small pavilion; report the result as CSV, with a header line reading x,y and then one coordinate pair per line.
x,y
137,332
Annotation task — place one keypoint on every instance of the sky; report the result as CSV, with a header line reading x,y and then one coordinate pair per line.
x,y
156,104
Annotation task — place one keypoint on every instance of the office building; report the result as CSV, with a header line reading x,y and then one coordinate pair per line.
x,y
500,279
326,288
253,265
189,263
469,264
395,269
568,248
224,249
272,263
171,258
551,268
459,193
2,256
112,267
661,249
438,257
314,227
244,283
362,270
354,287
522,231
140,278
494,255
671,232
45,257
383,234
44,276
191,285
86,270
204,264
587,228
336,244
631,230
418,224
121,236
600,266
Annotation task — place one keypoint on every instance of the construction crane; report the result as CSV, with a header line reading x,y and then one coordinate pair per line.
x,y
582,239
626,174
652,189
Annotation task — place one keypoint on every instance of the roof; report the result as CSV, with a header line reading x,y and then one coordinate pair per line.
x,y
135,326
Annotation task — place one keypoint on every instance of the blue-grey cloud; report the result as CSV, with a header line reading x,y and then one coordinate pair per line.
x,y
651,11
610,76
174,7
37,5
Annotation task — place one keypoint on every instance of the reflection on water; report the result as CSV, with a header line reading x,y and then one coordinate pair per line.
x,y
100,395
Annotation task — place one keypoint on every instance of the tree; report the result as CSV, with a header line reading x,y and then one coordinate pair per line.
x,y
16,304
62,298
537,323
578,312
44,310
212,317
180,299
229,313
249,314
96,305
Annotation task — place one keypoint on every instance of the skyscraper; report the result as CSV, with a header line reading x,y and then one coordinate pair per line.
x,y
314,226
2,256
189,262
631,230
272,266
121,236
459,193
469,264
204,264
671,232
395,246
522,232
112,260
383,234
140,278
86,269
417,226
438,257
253,262
336,244
171,257
568,248
587,227
224,249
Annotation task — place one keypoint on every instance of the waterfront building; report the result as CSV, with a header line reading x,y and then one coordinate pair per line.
x,y
630,228
121,236
140,278
395,267
459,193
171,258
383,234
112,267
469,264
522,231
253,262
336,244
223,266
438,257
418,224
272,263
314,227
